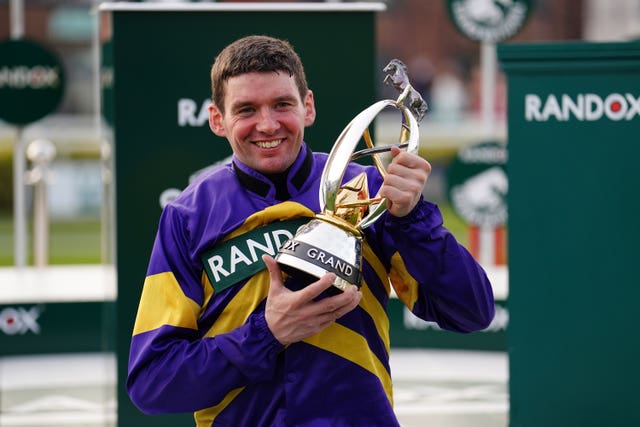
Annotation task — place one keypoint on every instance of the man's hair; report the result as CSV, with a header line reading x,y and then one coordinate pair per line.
x,y
255,54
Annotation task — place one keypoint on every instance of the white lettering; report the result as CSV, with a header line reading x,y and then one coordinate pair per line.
x,y
216,265
252,247
569,107
21,77
593,107
291,245
236,257
277,237
15,321
268,248
588,106
187,112
551,107
634,106
532,104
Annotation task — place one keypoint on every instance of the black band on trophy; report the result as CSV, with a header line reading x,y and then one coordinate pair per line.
x,y
323,259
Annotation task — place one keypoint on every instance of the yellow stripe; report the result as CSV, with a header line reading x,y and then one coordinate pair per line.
x,y
207,288
205,417
280,212
352,346
405,286
377,266
236,313
371,305
163,303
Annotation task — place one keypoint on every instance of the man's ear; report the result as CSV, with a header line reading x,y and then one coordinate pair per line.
x,y
310,109
215,121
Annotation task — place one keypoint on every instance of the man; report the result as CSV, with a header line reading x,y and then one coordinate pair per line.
x,y
239,344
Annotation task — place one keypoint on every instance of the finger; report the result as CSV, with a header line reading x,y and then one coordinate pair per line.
x,y
316,288
330,309
411,161
275,274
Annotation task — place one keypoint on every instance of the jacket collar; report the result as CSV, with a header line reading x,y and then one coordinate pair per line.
x,y
257,183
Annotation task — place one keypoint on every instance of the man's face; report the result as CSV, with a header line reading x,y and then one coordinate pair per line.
x,y
264,119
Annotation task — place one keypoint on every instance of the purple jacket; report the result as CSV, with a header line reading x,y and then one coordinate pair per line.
x,y
201,343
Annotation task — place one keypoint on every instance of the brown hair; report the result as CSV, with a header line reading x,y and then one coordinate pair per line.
x,y
255,54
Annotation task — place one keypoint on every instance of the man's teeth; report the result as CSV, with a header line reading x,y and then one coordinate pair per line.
x,y
268,144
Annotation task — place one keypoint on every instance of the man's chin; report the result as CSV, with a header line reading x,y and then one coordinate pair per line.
x,y
271,168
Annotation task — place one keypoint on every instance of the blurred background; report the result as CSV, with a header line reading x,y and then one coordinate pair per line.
x,y
444,66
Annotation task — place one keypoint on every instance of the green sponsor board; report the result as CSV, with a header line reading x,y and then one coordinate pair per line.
x,y
407,330
573,126
161,60
64,327
489,20
31,81
477,184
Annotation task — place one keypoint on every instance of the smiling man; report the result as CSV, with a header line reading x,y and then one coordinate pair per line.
x,y
221,332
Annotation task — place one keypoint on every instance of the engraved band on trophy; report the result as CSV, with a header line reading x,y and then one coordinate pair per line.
x,y
332,241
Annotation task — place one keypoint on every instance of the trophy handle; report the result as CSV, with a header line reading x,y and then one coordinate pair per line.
x,y
342,152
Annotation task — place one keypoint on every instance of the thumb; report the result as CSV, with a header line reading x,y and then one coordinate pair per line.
x,y
274,273
395,151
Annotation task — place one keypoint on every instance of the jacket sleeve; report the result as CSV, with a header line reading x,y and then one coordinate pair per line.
x,y
433,275
173,365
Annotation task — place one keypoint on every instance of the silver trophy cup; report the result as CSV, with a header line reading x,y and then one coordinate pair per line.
x,y
332,241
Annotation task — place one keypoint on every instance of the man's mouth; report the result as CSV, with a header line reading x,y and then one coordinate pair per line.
x,y
269,144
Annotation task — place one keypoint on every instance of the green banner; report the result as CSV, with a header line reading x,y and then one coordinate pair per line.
x,y
63,327
573,126
407,330
31,81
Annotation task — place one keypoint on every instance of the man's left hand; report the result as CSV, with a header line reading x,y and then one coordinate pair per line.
x,y
406,177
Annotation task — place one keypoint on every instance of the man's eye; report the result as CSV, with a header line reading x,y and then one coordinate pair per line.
x,y
245,111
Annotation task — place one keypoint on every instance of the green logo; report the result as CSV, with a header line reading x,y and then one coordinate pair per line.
x,y
489,20
31,81
478,184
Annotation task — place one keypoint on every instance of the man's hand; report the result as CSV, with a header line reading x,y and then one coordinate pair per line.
x,y
294,316
407,175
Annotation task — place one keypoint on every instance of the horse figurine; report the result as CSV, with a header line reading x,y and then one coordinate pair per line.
x,y
398,78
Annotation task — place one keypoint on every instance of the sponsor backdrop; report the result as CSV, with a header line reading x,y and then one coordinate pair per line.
x,y
161,89
573,126
31,81
44,327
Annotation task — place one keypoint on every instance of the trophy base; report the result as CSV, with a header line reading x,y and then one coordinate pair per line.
x,y
320,247
311,273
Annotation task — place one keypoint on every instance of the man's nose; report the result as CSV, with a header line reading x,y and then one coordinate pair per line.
x,y
267,122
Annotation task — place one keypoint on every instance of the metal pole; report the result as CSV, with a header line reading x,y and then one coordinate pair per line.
x,y
488,63
41,152
17,19
40,222
19,215
19,202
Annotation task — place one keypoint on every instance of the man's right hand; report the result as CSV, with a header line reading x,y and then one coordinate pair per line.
x,y
294,315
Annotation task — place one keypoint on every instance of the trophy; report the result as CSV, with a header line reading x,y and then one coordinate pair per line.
x,y
332,241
